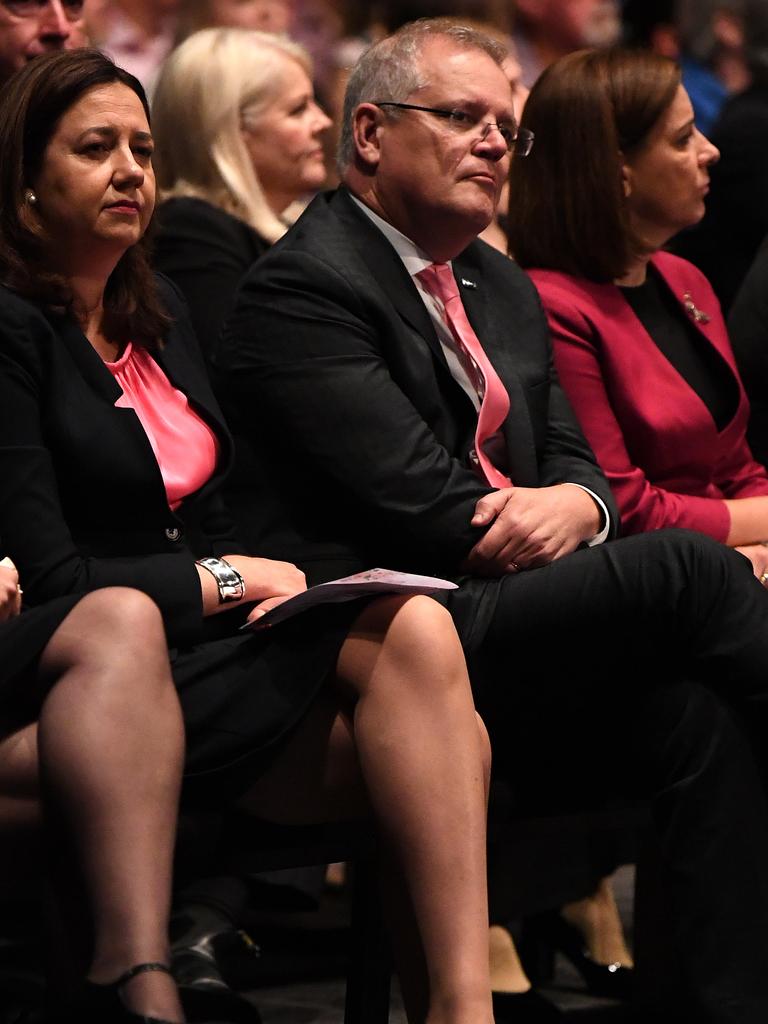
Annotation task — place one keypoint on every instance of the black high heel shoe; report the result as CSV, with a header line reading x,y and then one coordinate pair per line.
x,y
546,933
101,1004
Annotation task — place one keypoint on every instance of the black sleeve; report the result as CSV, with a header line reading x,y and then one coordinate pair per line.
x,y
32,523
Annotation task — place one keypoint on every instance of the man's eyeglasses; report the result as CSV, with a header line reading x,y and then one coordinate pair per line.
x,y
73,9
518,139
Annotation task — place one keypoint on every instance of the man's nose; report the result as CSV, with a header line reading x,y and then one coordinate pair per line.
x,y
54,21
492,141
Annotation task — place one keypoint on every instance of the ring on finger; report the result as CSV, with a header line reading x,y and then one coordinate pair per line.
x,y
764,578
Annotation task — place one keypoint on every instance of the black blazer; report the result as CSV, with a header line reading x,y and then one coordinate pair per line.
x,y
82,504
205,252
334,373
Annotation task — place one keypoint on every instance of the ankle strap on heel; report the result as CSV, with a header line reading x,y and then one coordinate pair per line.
x,y
131,973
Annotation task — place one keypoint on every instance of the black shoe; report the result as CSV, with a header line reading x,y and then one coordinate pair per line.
x,y
101,1004
203,991
524,1008
548,932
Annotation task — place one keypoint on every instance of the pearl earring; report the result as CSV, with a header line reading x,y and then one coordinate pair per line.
x,y
30,197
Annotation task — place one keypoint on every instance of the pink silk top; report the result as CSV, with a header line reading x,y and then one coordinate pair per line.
x,y
185,447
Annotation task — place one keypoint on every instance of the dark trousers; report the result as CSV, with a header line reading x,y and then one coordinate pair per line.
x,y
640,668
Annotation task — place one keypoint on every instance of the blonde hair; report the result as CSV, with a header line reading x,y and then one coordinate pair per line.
x,y
205,87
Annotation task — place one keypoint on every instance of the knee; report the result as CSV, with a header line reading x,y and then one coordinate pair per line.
x,y
424,629
121,614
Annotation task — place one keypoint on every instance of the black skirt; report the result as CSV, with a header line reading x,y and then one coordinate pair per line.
x,y
243,694
22,641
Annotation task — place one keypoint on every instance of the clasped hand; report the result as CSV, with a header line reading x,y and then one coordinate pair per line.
x,y
529,527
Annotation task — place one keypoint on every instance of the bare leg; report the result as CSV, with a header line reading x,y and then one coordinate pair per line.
x,y
425,762
597,919
110,748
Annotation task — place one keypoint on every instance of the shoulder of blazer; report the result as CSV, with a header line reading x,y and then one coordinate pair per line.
x,y
681,274
27,332
197,220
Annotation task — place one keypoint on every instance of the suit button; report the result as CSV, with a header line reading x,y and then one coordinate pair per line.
x,y
473,458
173,533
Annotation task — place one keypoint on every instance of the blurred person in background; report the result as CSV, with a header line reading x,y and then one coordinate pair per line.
x,y
546,29
263,15
29,28
723,245
707,40
136,34
237,133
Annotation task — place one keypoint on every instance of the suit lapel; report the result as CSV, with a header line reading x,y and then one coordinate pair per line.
x,y
86,358
387,270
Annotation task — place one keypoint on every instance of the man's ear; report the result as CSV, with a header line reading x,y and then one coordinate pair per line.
x,y
366,125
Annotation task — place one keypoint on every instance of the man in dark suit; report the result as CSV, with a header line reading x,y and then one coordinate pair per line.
x,y
404,428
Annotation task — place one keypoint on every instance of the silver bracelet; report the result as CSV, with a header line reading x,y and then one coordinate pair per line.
x,y
229,581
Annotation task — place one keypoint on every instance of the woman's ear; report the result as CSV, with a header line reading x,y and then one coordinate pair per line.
x,y
626,179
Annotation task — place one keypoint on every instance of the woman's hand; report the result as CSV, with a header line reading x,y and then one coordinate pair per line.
x,y
265,580
10,592
758,556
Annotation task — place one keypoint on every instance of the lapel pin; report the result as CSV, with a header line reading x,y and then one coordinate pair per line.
x,y
467,283
695,314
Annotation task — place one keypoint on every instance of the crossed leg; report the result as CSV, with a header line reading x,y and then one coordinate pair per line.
x,y
106,756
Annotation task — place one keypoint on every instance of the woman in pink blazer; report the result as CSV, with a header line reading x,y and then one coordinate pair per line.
x,y
640,344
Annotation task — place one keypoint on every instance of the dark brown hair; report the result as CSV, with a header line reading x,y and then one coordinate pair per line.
x,y
589,111
31,105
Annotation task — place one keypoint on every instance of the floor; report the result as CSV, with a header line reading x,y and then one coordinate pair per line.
x,y
300,970
321,1001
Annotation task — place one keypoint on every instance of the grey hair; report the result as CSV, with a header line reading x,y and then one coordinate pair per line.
x,y
389,70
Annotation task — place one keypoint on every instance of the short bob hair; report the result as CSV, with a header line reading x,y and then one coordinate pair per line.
x,y
589,110
216,81
31,106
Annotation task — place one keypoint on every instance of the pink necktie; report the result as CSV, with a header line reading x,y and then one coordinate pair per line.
x,y
439,281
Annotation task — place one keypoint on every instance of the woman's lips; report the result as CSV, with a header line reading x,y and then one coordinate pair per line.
x,y
123,206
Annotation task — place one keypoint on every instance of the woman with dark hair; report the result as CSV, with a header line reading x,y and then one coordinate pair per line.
x,y
640,344
112,451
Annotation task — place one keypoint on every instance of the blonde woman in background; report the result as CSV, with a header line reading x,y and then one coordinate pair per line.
x,y
238,133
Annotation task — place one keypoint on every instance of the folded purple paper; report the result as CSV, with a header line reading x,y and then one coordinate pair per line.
x,y
361,584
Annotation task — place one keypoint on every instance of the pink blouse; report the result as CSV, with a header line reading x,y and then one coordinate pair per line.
x,y
185,447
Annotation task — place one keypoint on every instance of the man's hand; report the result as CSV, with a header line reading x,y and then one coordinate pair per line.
x,y
530,526
10,593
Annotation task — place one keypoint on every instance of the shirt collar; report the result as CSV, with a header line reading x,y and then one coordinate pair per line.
x,y
414,258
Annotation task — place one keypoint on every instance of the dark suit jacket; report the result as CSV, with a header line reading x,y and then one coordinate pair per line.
x,y
205,252
654,437
335,374
748,328
83,504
